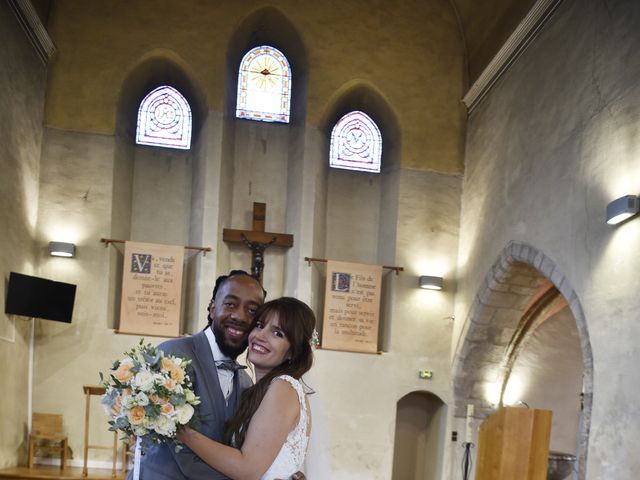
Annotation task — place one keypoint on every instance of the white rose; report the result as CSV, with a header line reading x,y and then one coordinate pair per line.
x,y
184,413
127,361
139,430
142,399
165,426
189,396
144,380
129,402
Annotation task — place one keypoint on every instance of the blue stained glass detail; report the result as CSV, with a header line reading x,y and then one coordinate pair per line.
x,y
164,119
356,143
264,86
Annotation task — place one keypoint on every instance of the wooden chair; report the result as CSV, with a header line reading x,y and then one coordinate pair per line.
x,y
48,427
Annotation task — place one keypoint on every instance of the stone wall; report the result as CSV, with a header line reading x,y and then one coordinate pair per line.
x,y
552,144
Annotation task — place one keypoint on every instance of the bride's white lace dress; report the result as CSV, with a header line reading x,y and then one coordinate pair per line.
x,y
290,459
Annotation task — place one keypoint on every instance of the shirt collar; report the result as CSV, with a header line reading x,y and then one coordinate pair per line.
x,y
215,349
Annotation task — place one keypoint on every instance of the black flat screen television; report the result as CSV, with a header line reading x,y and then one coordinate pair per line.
x,y
39,297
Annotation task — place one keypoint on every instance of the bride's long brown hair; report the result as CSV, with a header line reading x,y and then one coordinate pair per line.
x,y
297,321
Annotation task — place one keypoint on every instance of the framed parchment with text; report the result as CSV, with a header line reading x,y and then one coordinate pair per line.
x,y
151,289
352,307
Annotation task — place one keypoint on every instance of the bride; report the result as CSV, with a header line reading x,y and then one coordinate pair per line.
x,y
267,438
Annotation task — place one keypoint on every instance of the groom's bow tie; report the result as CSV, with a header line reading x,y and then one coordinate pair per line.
x,y
230,365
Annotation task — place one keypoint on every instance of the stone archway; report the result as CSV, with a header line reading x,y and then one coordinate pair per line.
x,y
494,323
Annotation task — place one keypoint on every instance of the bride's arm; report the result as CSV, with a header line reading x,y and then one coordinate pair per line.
x,y
275,418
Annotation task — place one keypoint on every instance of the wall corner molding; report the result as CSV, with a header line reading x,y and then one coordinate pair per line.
x,y
33,28
513,48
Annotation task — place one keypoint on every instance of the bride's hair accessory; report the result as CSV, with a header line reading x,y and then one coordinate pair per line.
x,y
315,339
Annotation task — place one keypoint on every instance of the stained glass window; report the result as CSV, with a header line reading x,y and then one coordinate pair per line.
x,y
164,119
356,143
264,86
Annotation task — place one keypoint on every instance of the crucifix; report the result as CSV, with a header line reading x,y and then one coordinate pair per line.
x,y
257,240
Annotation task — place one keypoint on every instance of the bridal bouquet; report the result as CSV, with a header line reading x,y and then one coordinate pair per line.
x,y
149,395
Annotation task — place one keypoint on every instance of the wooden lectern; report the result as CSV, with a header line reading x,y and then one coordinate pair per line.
x,y
513,443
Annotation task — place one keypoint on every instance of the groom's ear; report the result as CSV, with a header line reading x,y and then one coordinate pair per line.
x,y
210,309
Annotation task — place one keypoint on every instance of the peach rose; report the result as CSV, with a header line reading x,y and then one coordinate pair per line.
x,y
136,415
123,373
170,384
167,409
166,364
174,370
177,374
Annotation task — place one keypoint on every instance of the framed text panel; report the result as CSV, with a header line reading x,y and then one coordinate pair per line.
x,y
151,289
352,307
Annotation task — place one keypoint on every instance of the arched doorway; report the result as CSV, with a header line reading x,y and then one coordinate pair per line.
x,y
419,437
525,319
546,372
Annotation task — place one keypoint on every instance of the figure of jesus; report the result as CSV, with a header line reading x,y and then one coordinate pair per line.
x,y
257,255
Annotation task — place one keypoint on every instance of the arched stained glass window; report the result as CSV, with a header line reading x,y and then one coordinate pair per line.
x,y
164,119
264,86
356,143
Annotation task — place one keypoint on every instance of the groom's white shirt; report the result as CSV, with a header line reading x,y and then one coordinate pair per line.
x,y
224,376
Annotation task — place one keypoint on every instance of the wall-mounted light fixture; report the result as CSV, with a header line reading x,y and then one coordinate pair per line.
x,y
62,249
622,208
430,283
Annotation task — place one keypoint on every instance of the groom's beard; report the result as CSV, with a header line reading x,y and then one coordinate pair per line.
x,y
231,351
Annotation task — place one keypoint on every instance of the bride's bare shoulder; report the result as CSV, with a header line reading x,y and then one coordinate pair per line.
x,y
283,388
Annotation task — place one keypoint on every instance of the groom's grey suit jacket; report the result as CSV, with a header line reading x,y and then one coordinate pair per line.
x,y
162,462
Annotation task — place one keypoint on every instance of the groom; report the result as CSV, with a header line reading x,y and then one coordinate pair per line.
x,y
235,299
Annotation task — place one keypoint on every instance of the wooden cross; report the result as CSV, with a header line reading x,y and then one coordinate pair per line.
x,y
257,239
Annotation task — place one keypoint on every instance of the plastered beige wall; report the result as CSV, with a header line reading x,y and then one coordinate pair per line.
x,y
22,81
422,227
408,50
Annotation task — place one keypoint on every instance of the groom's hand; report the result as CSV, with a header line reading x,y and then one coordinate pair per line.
x,y
296,476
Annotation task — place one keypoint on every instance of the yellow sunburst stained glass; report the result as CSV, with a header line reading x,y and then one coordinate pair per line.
x,y
265,73
264,86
